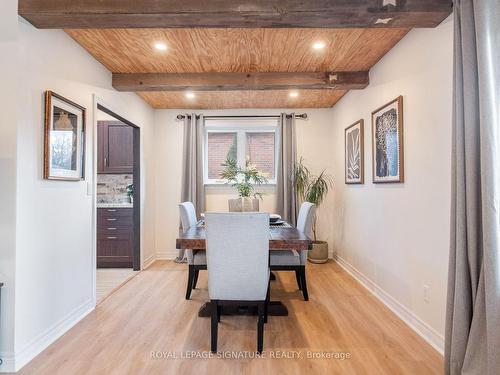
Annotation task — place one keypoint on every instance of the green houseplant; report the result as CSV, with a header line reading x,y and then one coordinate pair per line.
x,y
130,192
312,188
244,180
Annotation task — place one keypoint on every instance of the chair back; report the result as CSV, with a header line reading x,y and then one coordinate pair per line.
x,y
188,219
237,255
305,225
188,215
306,219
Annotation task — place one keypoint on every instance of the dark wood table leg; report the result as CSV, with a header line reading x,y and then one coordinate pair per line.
x,y
275,308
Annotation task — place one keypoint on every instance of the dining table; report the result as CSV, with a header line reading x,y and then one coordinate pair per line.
x,y
282,236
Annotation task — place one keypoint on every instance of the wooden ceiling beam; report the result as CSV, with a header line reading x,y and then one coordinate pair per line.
x,y
239,81
84,14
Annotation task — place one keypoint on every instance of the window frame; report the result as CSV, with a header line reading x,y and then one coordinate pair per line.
x,y
240,126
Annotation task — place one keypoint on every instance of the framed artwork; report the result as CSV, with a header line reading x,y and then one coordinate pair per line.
x,y
64,148
354,153
387,142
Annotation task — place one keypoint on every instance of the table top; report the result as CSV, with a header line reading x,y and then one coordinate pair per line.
x,y
280,238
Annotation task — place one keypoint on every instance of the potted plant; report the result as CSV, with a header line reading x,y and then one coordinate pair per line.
x,y
130,192
311,188
244,180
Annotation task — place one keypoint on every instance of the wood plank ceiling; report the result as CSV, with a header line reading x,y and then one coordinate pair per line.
x,y
208,50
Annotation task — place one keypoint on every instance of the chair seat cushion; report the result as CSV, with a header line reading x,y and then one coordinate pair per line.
x,y
284,258
200,258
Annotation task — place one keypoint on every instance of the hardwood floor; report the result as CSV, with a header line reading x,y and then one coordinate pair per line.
x,y
109,280
149,314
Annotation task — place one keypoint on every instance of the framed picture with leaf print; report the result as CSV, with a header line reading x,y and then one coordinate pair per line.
x,y
387,142
354,153
64,146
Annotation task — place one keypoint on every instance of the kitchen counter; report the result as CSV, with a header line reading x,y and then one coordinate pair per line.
x,y
115,205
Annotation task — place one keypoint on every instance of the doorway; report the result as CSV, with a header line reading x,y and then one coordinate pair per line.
x,y
117,202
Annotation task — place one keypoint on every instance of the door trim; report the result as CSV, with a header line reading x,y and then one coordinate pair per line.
x,y
136,182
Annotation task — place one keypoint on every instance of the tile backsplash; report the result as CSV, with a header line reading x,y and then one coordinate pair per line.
x,y
112,188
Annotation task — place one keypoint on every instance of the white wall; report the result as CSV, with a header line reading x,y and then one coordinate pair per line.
x,y
8,129
54,219
397,235
314,144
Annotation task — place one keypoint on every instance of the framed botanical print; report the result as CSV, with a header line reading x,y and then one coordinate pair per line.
x,y
354,153
387,142
64,149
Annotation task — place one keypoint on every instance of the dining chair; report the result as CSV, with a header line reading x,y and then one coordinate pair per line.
x,y
238,266
291,260
196,259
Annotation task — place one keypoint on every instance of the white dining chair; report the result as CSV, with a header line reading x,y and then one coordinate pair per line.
x,y
291,260
196,259
238,265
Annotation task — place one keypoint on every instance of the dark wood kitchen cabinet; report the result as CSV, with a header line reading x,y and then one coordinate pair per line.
x,y
115,237
115,147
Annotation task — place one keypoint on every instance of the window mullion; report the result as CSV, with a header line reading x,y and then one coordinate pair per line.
x,y
241,142
205,154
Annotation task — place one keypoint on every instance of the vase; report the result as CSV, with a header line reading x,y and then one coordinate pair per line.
x,y
319,252
243,205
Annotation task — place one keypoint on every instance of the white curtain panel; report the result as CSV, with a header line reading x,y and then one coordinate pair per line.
x,y
473,308
193,188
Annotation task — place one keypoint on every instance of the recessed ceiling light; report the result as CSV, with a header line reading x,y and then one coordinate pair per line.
x,y
319,45
190,95
293,94
160,46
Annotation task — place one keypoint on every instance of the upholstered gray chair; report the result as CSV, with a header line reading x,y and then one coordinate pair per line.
x,y
196,259
291,260
238,265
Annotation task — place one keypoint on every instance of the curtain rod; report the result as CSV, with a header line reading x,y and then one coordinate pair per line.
x,y
302,116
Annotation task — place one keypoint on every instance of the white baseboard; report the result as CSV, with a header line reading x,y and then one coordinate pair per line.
x,y
148,261
166,255
9,363
429,334
43,340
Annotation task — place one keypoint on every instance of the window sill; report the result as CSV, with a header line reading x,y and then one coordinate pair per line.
x,y
225,189
215,184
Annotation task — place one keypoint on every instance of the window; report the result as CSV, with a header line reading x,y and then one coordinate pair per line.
x,y
240,139
260,150
220,147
